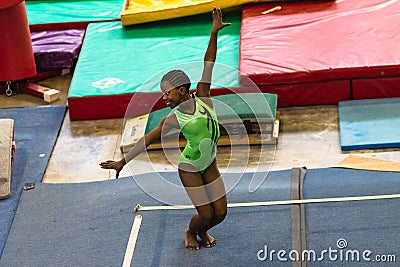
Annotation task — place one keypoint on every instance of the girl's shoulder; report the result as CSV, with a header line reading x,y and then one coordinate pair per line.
x,y
206,100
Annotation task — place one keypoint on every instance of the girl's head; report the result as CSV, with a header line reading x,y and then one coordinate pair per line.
x,y
176,79
175,86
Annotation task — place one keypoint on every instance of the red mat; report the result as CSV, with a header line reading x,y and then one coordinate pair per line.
x,y
376,88
311,42
309,94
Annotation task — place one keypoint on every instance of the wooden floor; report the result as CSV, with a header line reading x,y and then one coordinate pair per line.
x,y
309,136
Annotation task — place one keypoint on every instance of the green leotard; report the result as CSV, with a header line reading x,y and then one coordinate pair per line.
x,y
201,131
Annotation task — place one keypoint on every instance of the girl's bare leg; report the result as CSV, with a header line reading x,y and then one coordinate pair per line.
x,y
207,193
217,195
194,185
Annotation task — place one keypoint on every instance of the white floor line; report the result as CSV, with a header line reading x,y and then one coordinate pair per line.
x,y
132,241
277,202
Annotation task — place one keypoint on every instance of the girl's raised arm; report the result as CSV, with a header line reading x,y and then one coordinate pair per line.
x,y
203,87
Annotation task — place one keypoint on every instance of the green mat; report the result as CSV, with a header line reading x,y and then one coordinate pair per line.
x,y
117,60
246,106
62,11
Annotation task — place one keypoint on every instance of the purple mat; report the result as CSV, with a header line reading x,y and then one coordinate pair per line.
x,y
56,49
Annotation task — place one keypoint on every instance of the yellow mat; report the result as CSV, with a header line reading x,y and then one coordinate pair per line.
x,y
141,11
362,163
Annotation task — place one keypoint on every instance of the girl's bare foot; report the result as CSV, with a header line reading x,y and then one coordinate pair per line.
x,y
207,239
191,241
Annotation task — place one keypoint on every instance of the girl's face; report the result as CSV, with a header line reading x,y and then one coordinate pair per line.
x,y
172,96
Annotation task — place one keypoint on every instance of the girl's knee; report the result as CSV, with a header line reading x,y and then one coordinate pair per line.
x,y
206,218
219,216
206,215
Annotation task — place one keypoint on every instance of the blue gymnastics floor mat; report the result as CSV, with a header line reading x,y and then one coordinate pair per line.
x,y
89,225
369,124
35,132
353,233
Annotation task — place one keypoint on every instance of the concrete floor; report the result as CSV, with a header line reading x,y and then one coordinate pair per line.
x,y
309,136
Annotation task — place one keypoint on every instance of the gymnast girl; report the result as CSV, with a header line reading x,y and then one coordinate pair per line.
x,y
195,116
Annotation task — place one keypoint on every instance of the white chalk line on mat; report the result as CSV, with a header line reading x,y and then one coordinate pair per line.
x,y
132,241
276,202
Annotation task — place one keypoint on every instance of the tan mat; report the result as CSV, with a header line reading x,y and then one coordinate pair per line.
x,y
6,145
363,163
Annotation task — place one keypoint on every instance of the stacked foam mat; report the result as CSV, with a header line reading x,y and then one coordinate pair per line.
x,y
306,52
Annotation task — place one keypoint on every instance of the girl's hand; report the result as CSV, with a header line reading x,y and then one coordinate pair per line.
x,y
217,20
116,165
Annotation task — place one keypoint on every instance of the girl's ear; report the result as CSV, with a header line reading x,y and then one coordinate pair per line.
x,y
182,90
